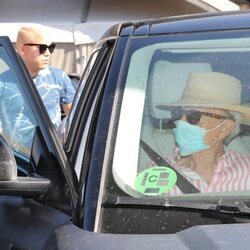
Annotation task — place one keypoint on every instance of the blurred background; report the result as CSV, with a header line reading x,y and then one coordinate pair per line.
x,y
77,25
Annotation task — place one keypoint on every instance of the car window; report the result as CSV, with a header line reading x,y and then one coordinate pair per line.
x,y
88,97
82,83
65,125
17,123
184,119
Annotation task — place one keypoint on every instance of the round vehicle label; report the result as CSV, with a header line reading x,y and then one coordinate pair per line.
x,y
155,180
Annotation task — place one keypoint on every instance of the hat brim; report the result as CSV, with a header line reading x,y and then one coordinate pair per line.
x,y
244,110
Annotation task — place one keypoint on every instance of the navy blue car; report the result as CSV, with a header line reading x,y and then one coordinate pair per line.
x,y
155,153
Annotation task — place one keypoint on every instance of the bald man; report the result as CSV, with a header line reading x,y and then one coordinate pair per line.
x,y
54,86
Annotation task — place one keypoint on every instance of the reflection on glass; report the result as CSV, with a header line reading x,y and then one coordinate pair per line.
x,y
16,120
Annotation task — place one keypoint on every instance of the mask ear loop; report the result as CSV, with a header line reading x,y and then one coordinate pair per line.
x,y
209,130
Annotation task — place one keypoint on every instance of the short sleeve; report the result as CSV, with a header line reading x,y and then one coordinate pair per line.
x,y
68,90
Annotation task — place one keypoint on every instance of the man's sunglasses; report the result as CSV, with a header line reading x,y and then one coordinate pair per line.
x,y
193,116
43,47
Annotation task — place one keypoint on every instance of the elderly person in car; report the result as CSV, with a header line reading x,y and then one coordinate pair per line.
x,y
207,117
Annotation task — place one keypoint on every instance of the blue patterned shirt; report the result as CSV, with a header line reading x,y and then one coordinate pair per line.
x,y
55,89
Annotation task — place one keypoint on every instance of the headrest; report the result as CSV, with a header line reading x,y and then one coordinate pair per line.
x,y
167,81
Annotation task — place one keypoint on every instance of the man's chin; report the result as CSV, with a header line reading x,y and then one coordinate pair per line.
x,y
45,63
44,66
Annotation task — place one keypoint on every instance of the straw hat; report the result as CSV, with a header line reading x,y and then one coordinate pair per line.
x,y
211,90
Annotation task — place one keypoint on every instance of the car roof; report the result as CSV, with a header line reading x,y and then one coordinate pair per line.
x,y
182,24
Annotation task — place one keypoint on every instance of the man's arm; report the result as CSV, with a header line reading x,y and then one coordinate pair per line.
x,y
68,94
66,108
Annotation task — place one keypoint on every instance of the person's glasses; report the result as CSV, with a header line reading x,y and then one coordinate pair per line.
x,y
42,47
193,116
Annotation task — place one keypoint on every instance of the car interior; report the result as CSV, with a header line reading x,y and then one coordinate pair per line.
x,y
167,70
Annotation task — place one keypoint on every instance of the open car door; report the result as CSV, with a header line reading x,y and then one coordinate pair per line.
x,y
37,186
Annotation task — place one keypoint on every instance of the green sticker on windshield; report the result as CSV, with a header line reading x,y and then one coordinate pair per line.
x,y
155,180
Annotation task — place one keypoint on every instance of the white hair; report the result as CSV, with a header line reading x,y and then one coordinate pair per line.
x,y
237,118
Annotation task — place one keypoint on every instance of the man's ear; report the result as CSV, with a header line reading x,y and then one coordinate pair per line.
x,y
226,128
20,49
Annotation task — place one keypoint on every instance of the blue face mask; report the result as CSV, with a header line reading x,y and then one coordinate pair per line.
x,y
190,138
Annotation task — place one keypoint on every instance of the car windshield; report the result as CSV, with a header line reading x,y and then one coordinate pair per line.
x,y
17,123
184,123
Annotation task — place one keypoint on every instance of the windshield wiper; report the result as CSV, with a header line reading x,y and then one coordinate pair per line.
x,y
232,206
225,205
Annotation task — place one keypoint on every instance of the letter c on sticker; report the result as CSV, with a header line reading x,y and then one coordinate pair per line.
x,y
152,178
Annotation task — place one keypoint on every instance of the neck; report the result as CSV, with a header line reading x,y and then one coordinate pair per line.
x,y
33,73
204,162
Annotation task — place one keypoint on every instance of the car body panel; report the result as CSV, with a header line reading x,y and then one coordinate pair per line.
x,y
199,237
27,224
182,24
